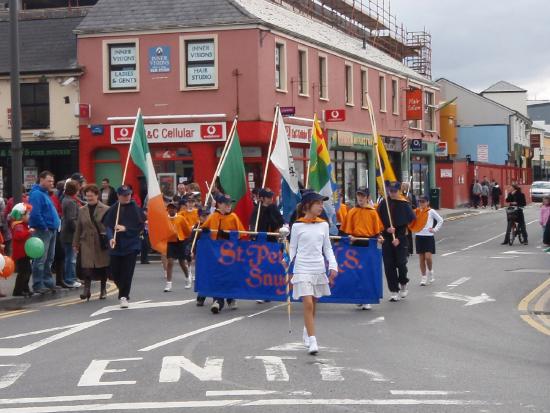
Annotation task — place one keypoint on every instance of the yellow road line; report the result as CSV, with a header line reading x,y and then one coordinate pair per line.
x,y
16,313
111,289
524,304
542,301
529,320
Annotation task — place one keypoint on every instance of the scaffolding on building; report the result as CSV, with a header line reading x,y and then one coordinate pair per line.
x,y
373,22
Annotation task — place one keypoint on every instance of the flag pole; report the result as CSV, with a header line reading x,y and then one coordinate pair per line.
x,y
375,134
275,122
126,169
311,143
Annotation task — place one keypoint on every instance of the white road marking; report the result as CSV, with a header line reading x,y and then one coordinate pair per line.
x,y
441,240
172,366
374,375
14,372
505,258
57,399
532,271
275,369
449,253
156,406
220,393
204,329
483,298
376,320
329,371
300,347
458,282
483,242
97,368
425,392
520,253
69,330
140,305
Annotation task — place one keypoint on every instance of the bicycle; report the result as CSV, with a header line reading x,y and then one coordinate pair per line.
x,y
511,214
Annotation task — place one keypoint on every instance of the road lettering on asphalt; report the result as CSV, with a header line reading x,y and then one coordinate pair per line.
x,y
69,330
98,368
458,282
480,299
329,370
172,367
141,305
275,369
14,372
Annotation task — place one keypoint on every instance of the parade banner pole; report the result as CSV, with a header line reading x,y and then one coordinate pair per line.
x,y
309,160
287,281
126,169
375,134
278,234
267,163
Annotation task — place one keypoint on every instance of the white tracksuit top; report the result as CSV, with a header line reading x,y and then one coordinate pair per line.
x,y
310,245
432,217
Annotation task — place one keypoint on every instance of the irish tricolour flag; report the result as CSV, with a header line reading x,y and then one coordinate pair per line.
x,y
160,229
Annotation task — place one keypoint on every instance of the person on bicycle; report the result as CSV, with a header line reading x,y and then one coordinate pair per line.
x,y
516,198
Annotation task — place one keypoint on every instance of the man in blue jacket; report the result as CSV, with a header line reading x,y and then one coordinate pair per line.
x,y
44,222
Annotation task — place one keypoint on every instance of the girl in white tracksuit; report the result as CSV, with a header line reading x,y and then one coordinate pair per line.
x,y
309,247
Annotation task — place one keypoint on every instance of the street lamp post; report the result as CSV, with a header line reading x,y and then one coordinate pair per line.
x,y
16,148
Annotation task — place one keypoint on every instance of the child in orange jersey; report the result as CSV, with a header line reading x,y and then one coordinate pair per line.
x,y
426,224
191,215
220,222
363,221
176,246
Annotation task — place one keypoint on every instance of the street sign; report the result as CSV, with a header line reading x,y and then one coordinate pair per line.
x,y
84,111
441,149
416,145
288,110
97,130
483,153
335,115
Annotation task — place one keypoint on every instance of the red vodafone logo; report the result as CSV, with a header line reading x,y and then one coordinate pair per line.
x,y
122,133
335,115
214,131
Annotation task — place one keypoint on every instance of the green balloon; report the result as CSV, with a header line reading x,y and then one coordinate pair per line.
x,y
34,247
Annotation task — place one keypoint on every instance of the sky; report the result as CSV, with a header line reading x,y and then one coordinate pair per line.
x,y
477,43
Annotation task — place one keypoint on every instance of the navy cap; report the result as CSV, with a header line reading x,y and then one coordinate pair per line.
x,y
222,199
77,176
124,190
266,193
203,212
363,190
394,186
311,196
423,198
172,205
185,199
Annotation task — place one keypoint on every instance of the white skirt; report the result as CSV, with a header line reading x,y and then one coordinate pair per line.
x,y
315,285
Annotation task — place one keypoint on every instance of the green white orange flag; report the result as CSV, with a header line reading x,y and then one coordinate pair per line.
x,y
233,181
160,228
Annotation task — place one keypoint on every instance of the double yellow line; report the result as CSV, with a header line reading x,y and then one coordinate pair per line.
x,y
534,305
14,313
111,289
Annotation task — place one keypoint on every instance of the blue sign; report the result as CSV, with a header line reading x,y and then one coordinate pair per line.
x,y
254,270
416,145
159,59
97,129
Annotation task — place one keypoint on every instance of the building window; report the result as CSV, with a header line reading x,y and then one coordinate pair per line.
x,y
429,109
303,73
382,92
35,105
280,67
200,63
123,71
323,78
364,88
349,84
395,96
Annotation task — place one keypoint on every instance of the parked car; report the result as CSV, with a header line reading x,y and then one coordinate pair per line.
x,y
540,189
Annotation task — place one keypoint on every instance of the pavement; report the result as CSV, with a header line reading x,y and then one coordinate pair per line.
x,y
474,341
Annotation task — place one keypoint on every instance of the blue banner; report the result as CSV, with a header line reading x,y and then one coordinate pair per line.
x,y
254,270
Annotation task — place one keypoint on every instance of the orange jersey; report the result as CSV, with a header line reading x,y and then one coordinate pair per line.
x,y
341,214
218,221
421,219
362,222
192,216
181,228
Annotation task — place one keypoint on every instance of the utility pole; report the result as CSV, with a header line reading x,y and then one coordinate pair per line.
x,y
16,148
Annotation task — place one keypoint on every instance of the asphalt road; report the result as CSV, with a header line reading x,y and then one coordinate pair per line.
x,y
459,345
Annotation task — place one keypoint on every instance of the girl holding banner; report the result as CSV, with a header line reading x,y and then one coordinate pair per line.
x,y
309,247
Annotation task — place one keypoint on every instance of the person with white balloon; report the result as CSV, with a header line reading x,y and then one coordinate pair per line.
x,y
20,234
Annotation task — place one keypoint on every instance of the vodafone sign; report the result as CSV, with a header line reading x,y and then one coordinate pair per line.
x,y
335,115
173,132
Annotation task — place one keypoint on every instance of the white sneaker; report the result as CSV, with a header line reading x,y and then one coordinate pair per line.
x,y
423,280
188,284
431,279
394,297
305,338
313,348
168,287
123,302
366,307
232,305
403,292
76,284
260,301
215,308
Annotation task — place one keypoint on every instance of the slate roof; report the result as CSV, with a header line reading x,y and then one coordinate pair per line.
x,y
109,16
47,45
503,86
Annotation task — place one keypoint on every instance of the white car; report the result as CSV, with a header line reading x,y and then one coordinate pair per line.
x,y
539,189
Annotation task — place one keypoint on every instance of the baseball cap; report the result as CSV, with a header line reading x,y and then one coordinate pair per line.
x,y
363,190
394,186
266,193
424,198
77,176
222,199
312,196
124,190
172,205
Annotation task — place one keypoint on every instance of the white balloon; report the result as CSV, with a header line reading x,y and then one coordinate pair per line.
x,y
2,262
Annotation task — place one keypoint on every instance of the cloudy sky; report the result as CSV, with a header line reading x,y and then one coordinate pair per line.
x,y
479,42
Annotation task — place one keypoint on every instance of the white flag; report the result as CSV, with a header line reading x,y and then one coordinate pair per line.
x,y
282,157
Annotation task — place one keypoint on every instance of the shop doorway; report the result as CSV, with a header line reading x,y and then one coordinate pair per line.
x,y
177,163
254,173
421,176
107,165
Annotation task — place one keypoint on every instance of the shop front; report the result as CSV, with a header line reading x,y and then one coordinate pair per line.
x,y
59,157
422,169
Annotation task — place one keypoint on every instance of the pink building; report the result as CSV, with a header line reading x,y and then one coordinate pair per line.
x,y
192,66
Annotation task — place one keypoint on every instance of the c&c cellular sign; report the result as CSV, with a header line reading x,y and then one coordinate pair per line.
x,y
172,133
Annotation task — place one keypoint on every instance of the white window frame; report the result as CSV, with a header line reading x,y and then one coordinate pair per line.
x,y
323,60
303,68
107,64
364,87
283,85
383,92
395,97
348,80
183,66
431,108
